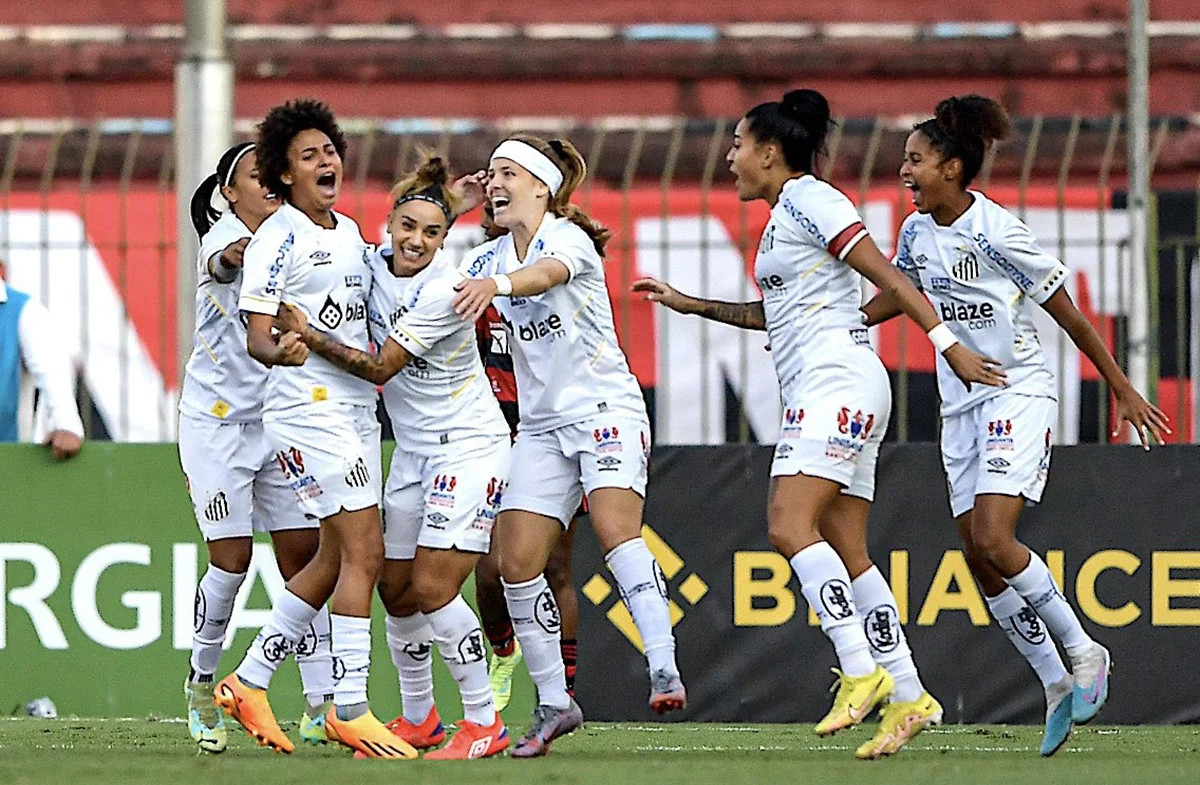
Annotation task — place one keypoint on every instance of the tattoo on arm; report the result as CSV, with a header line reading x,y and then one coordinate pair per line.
x,y
354,361
749,316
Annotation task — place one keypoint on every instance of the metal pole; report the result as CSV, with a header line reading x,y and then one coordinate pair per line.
x,y
1138,165
203,130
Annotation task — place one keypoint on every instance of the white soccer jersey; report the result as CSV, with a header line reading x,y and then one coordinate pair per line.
x,y
325,274
222,379
568,364
443,394
807,288
981,273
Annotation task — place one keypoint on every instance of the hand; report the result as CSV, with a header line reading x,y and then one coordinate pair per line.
x,y
970,366
292,350
659,292
470,189
290,320
234,252
1144,416
64,444
474,295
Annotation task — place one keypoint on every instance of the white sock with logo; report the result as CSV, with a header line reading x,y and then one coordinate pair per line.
x,y
644,590
410,640
1028,634
213,606
889,644
1036,585
538,626
290,620
460,640
314,657
826,585
352,659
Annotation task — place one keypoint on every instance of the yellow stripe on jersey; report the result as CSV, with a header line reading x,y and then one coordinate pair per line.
x,y
467,342
217,304
587,300
260,299
814,268
207,348
464,386
596,357
812,308
414,338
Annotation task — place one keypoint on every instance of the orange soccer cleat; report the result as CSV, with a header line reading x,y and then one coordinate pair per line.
x,y
366,734
249,706
473,740
429,733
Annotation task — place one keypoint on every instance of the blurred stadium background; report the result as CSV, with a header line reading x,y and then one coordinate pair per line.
x,y
90,156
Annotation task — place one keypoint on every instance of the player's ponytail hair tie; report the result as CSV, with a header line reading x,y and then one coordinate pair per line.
x,y
533,160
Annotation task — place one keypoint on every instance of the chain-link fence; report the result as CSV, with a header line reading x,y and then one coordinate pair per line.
x,y
87,226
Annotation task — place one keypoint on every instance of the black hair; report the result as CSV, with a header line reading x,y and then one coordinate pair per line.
x,y
798,123
204,215
280,127
964,127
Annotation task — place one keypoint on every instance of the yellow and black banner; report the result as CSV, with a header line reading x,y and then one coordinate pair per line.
x,y
1119,528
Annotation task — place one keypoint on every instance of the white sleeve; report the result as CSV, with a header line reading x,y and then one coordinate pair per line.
x,y
1038,273
224,232
826,218
49,363
480,262
569,244
430,320
265,268
904,260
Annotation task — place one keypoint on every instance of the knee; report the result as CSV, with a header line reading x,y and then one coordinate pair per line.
x,y
487,570
364,556
231,555
558,573
432,591
787,533
988,542
399,597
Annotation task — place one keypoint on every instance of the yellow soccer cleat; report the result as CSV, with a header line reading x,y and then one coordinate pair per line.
x,y
500,673
249,706
857,697
366,734
206,723
900,724
312,728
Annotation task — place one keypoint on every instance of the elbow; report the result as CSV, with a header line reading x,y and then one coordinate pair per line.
x,y
255,350
380,376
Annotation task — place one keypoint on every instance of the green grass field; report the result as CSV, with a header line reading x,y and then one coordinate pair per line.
x,y
148,751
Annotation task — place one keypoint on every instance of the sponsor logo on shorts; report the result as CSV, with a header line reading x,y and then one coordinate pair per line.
x,y
442,493
999,435
645,445
792,423
835,597
291,462
882,627
607,440
782,450
608,463
358,475
485,516
998,466
859,426
1043,470
437,520
217,508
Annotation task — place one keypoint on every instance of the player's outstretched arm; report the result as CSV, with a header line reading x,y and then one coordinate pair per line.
x,y
377,368
473,295
749,316
881,308
1148,419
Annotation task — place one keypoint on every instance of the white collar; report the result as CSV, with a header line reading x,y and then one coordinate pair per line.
x,y
3,291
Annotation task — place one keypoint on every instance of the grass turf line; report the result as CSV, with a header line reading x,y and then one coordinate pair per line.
x,y
77,751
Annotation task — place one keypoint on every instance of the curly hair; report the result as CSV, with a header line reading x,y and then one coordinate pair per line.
x,y
430,180
280,127
965,127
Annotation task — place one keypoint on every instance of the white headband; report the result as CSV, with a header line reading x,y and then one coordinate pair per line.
x,y
233,166
532,159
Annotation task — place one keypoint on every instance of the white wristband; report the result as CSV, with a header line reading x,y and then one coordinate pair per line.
x,y
503,284
941,337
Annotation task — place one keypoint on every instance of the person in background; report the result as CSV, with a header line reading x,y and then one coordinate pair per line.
x,y
27,341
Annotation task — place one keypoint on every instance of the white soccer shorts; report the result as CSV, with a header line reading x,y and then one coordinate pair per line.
x,y
234,480
1001,446
552,471
330,456
834,422
446,499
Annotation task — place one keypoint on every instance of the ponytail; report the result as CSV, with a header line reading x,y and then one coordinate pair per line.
x,y
798,123
965,127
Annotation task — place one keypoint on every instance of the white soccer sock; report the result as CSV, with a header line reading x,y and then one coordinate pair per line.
x,y
1028,633
314,657
463,647
826,585
1036,585
351,658
889,644
213,607
538,626
290,619
410,640
644,590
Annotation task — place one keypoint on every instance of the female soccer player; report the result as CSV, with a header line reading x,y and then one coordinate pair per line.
x,y
981,266
445,486
320,420
583,428
233,478
836,399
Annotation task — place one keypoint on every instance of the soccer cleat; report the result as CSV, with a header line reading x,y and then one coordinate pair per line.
x,y
1091,671
206,722
548,724
367,735
900,724
857,697
249,706
666,692
429,733
473,741
312,728
1058,716
500,673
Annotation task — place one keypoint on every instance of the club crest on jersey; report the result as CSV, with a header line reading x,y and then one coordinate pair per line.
x,y
966,268
607,440
859,426
792,419
999,435
443,490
